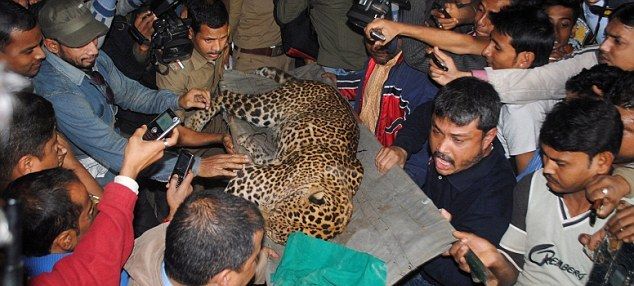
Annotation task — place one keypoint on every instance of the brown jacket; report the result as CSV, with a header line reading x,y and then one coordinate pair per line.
x,y
144,265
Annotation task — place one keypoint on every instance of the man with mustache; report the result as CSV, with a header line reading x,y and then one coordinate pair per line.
x,y
468,175
209,33
579,140
86,90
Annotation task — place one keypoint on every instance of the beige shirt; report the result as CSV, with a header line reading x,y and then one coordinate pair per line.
x,y
252,24
197,73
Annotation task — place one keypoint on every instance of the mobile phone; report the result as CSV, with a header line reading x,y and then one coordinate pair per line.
x,y
377,35
442,10
441,64
183,165
162,125
479,272
444,13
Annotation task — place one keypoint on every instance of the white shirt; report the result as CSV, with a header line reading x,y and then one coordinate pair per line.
x,y
519,125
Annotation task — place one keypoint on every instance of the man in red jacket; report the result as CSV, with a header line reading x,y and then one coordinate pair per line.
x,y
100,247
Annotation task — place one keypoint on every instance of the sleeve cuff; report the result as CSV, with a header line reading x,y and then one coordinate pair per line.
x,y
195,166
481,74
127,182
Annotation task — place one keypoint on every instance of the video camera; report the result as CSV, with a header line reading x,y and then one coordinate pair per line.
x,y
170,41
364,11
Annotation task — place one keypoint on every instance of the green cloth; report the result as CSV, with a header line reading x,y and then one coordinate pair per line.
x,y
312,261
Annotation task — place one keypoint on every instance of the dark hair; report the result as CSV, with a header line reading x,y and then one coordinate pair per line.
x,y
583,125
466,99
13,17
46,208
32,123
526,3
622,92
602,76
211,231
575,5
624,13
529,30
207,12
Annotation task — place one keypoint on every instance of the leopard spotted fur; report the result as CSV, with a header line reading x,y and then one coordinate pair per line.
x,y
309,185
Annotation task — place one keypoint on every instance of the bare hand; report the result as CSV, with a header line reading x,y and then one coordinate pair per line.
x,y
139,153
606,191
227,141
330,77
390,156
443,77
195,98
621,224
447,23
222,165
143,22
388,28
592,241
176,196
481,247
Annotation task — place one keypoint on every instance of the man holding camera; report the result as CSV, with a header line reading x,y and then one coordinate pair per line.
x,y
84,86
209,33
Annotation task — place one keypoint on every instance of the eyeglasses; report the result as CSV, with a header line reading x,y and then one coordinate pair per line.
x,y
97,79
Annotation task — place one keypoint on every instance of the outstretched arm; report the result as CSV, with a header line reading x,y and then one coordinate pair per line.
x,y
104,249
447,40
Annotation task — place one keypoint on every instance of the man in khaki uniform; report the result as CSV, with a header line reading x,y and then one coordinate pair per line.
x,y
210,35
256,36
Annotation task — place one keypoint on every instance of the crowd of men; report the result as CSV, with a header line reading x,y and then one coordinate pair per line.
x,y
514,117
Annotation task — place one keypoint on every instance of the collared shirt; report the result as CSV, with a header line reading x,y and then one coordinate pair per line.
x,y
480,200
87,119
164,279
197,72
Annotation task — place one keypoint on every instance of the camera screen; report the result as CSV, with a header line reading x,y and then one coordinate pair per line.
x,y
164,121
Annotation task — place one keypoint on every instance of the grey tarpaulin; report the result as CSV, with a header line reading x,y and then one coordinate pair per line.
x,y
392,220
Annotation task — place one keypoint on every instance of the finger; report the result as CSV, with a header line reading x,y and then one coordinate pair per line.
x,y
207,95
460,258
437,14
140,131
626,232
440,54
460,235
604,207
199,105
233,166
584,239
387,162
434,70
242,159
226,173
188,179
173,139
445,214
453,250
171,184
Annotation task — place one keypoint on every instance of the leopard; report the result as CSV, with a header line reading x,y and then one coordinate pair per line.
x,y
309,183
